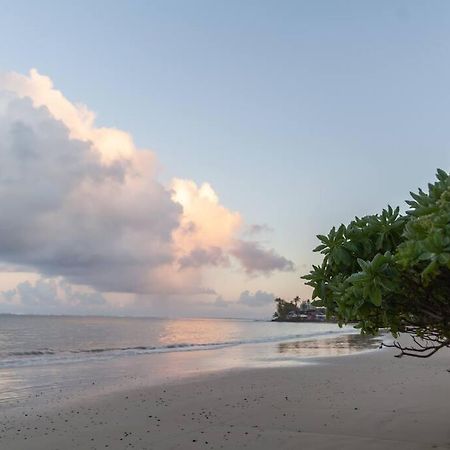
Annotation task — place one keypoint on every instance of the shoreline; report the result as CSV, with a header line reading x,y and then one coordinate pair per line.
x,y
365,400
39,384
35,357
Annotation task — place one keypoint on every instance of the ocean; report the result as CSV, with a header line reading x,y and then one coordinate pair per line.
x,y
47,355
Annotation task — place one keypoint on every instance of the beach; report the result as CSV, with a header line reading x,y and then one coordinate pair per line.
x,y
225,225
367,400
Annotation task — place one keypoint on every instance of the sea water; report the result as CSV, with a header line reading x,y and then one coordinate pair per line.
x,y
67,354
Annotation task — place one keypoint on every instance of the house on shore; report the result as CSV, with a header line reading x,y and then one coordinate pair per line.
x,y
299,311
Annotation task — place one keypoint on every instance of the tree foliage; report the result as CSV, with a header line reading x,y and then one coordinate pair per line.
x,y
392,271
284,308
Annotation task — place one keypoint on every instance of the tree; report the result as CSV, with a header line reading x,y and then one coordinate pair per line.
x,y
392,271
284,308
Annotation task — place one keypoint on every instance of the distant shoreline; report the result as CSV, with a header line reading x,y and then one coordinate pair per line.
x,y
304,320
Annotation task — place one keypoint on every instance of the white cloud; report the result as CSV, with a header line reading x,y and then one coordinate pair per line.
x,y
112,144
83,203
66,212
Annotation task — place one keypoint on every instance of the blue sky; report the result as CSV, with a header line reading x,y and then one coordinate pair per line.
x,y
300,114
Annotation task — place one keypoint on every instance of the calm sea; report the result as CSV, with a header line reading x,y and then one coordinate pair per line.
x,y
37,340
43,354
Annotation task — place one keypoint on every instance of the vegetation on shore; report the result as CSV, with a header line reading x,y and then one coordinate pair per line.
x,y
298,311
392,270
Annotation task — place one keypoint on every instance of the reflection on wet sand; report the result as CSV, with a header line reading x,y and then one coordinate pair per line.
x,y
342,345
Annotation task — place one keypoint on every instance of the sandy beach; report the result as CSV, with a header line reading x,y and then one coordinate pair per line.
x,y
369,400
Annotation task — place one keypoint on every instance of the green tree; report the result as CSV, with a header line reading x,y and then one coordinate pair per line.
x,y
283,308
392,271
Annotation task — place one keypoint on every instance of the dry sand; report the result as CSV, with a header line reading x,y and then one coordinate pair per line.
x,y
364,401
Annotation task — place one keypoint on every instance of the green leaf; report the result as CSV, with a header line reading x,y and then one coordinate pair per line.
x,y
383,269
376,297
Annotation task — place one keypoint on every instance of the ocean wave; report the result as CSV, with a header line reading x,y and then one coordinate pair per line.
x,y
32,353
50,356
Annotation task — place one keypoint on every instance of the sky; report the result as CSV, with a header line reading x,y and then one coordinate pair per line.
x,y
178,158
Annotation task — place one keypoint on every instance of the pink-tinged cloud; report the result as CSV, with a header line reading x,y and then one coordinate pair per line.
x,y
257,260
69,212
207,229
212,256
83,203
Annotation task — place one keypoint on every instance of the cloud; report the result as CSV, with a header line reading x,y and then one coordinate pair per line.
x,y
257,260
200,257
258,299
256,229
65,212
112,144
83,203
49,295
220,302
205,223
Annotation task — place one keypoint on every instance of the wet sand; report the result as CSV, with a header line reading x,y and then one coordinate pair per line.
x,y
369,400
